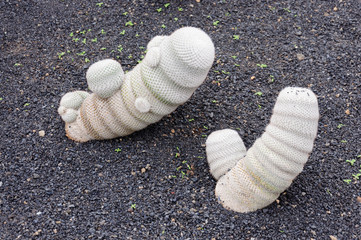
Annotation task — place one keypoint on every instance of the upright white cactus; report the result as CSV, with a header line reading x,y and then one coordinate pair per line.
x,y
274,160
171,71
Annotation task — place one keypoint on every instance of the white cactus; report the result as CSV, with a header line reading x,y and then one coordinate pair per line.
x,y
171,71
274,160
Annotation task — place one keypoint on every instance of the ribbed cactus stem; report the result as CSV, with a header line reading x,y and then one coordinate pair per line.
x,y
276,158
224,149
171,71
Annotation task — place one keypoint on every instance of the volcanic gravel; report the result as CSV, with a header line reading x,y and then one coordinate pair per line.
x,y
155,183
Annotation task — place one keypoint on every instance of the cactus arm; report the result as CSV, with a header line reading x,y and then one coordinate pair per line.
x,y
105,77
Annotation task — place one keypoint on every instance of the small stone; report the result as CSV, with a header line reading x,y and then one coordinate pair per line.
x,y
37,233
333,237
347,111
298,33
359,199
335,9
300,56
41,133
143,170
1,183
36,176
253,78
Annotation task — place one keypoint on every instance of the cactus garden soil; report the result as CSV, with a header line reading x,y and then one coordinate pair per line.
x,y
155,183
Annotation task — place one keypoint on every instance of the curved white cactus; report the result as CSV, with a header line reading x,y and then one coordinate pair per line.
x,y
274,160
171,71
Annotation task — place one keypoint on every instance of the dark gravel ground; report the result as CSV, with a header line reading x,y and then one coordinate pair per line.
x,y
158,186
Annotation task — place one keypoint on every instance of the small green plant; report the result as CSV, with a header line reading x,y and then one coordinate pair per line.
x,y
159,9
262,65
26,104
71,34
103,31
81,54
287,10
177,154
166,5
86,60
129,23
237,65
125,13
163,26
60,55
215,23
118,150
191,120
76,39
175,19
17,64
99,4
180,9
272,78
84,41
340,125
328,191
83,32
1,98
348,181
214,101
94,40
258,93
103,48
234,57
227,14
344,141
236,37
356,176
120,48
133,206
205,127
351,161
122,32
